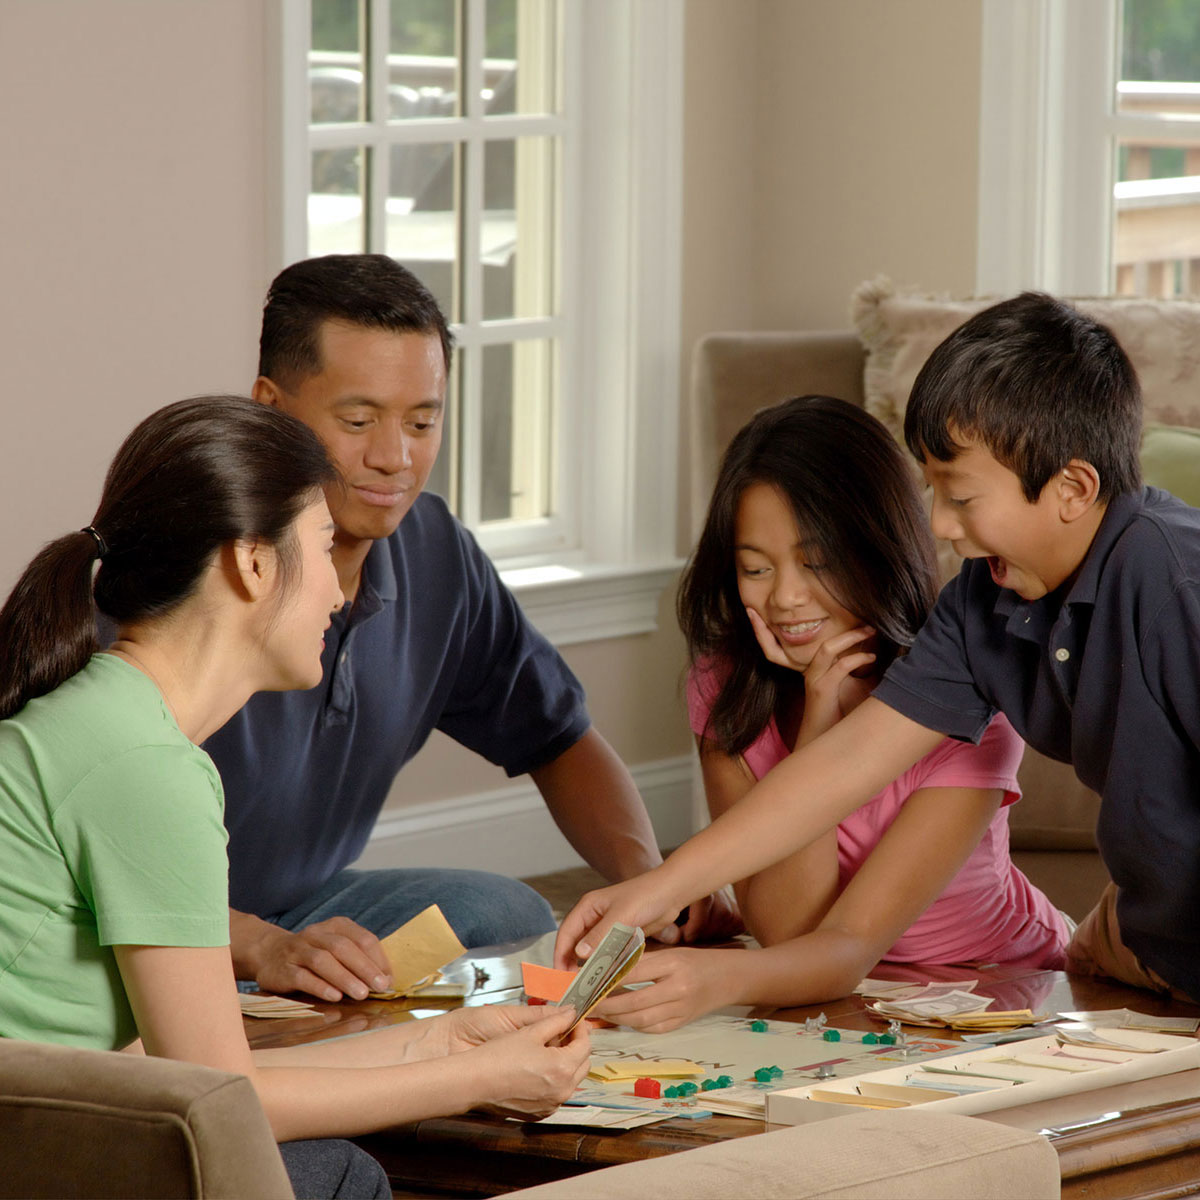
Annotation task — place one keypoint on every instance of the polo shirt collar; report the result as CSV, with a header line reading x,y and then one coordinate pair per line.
x,y
376,586
379,572
1121,511
1034,619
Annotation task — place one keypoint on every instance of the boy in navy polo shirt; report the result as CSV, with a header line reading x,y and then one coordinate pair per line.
x,y
1077,615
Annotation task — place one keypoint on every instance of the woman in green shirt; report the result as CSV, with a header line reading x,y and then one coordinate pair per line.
x,y
210,550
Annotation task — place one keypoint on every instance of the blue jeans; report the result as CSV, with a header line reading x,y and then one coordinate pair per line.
x,y
483,909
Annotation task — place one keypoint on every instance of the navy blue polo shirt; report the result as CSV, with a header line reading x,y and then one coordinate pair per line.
x,y
434,640
1103,674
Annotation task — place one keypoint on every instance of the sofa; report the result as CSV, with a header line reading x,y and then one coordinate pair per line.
x,y
85,1123
874,365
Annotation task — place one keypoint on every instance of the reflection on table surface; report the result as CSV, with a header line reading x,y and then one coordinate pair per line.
x,y
492,975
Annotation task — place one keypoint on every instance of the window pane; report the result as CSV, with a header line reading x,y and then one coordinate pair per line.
x,y
443,478
1156,196
518,235
423,60
516,433
520,55
335,63
423,215
336,222
1160,40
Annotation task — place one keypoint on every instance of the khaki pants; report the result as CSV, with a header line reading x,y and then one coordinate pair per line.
x,y
1097,949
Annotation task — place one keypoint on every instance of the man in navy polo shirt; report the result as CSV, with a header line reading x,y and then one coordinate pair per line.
x,y
1077,615
357,348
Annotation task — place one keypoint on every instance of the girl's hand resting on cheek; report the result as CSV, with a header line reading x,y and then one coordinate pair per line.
x,y
831,687
687,983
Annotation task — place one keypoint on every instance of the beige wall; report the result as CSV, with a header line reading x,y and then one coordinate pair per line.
x,y
133,252
826,140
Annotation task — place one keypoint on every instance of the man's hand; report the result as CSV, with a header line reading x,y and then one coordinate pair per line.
x,y
329,960
716,918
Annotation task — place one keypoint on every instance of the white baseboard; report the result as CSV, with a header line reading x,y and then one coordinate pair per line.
x,y
509,830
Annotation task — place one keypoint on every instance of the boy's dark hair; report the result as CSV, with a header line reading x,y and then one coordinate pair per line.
x,y
1038,383
189,479
854,496
371,290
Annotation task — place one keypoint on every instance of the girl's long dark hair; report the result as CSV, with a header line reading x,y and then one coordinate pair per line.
x,y
855,498
190,478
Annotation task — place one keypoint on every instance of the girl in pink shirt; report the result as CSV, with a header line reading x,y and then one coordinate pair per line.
x,y
814,570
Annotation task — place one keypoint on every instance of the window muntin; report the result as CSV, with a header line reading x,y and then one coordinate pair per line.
x,y
437,135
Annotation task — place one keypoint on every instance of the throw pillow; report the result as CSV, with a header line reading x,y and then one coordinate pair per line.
x,y
899,331
1171,460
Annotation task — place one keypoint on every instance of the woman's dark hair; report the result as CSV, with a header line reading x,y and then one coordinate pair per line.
x,y
855,500
190,478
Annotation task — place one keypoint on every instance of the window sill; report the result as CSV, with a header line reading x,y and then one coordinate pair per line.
x,y
588,604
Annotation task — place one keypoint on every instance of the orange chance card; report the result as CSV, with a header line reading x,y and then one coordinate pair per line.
x,y
545,983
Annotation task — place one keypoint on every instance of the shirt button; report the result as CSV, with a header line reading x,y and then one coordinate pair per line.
x,y
342,657
1062,654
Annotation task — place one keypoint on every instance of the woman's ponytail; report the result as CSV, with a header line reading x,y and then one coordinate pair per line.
x,y
48,624
190,478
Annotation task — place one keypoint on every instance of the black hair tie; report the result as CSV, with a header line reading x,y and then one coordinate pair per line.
x,y
101,545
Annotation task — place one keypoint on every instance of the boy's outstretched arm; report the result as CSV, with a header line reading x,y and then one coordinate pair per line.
x,y
809,792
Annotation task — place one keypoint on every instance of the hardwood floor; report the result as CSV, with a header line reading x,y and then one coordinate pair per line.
x,y
562,888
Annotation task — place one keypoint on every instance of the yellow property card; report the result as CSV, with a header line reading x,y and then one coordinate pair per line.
x,y
418,949
662,1068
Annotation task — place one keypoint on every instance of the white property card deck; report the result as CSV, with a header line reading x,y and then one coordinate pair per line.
x,y
999,1076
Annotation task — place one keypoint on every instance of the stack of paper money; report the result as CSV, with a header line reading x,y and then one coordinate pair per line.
x,y
1126,1018
947,1005
608,964
278,1007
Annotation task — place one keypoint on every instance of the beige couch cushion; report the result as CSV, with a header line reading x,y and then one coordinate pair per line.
x,y
896,1155
899,331
94,1124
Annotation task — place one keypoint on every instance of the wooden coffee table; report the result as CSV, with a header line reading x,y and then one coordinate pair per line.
x,y
1136,1140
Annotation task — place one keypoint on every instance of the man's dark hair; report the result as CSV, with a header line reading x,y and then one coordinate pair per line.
x,y
371,290
1038,383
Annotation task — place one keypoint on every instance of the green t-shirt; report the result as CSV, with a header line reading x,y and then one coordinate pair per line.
x,y
111,834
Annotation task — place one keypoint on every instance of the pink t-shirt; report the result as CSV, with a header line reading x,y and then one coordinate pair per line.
x,y
989,911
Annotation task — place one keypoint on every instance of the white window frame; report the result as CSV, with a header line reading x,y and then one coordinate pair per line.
x,y
620,299
1048,126
1045,169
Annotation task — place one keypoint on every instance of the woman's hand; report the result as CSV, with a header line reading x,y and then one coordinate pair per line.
x,y
686,985
521,1072
468,1028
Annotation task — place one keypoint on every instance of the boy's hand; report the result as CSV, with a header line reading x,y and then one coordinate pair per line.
x,y
638,901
